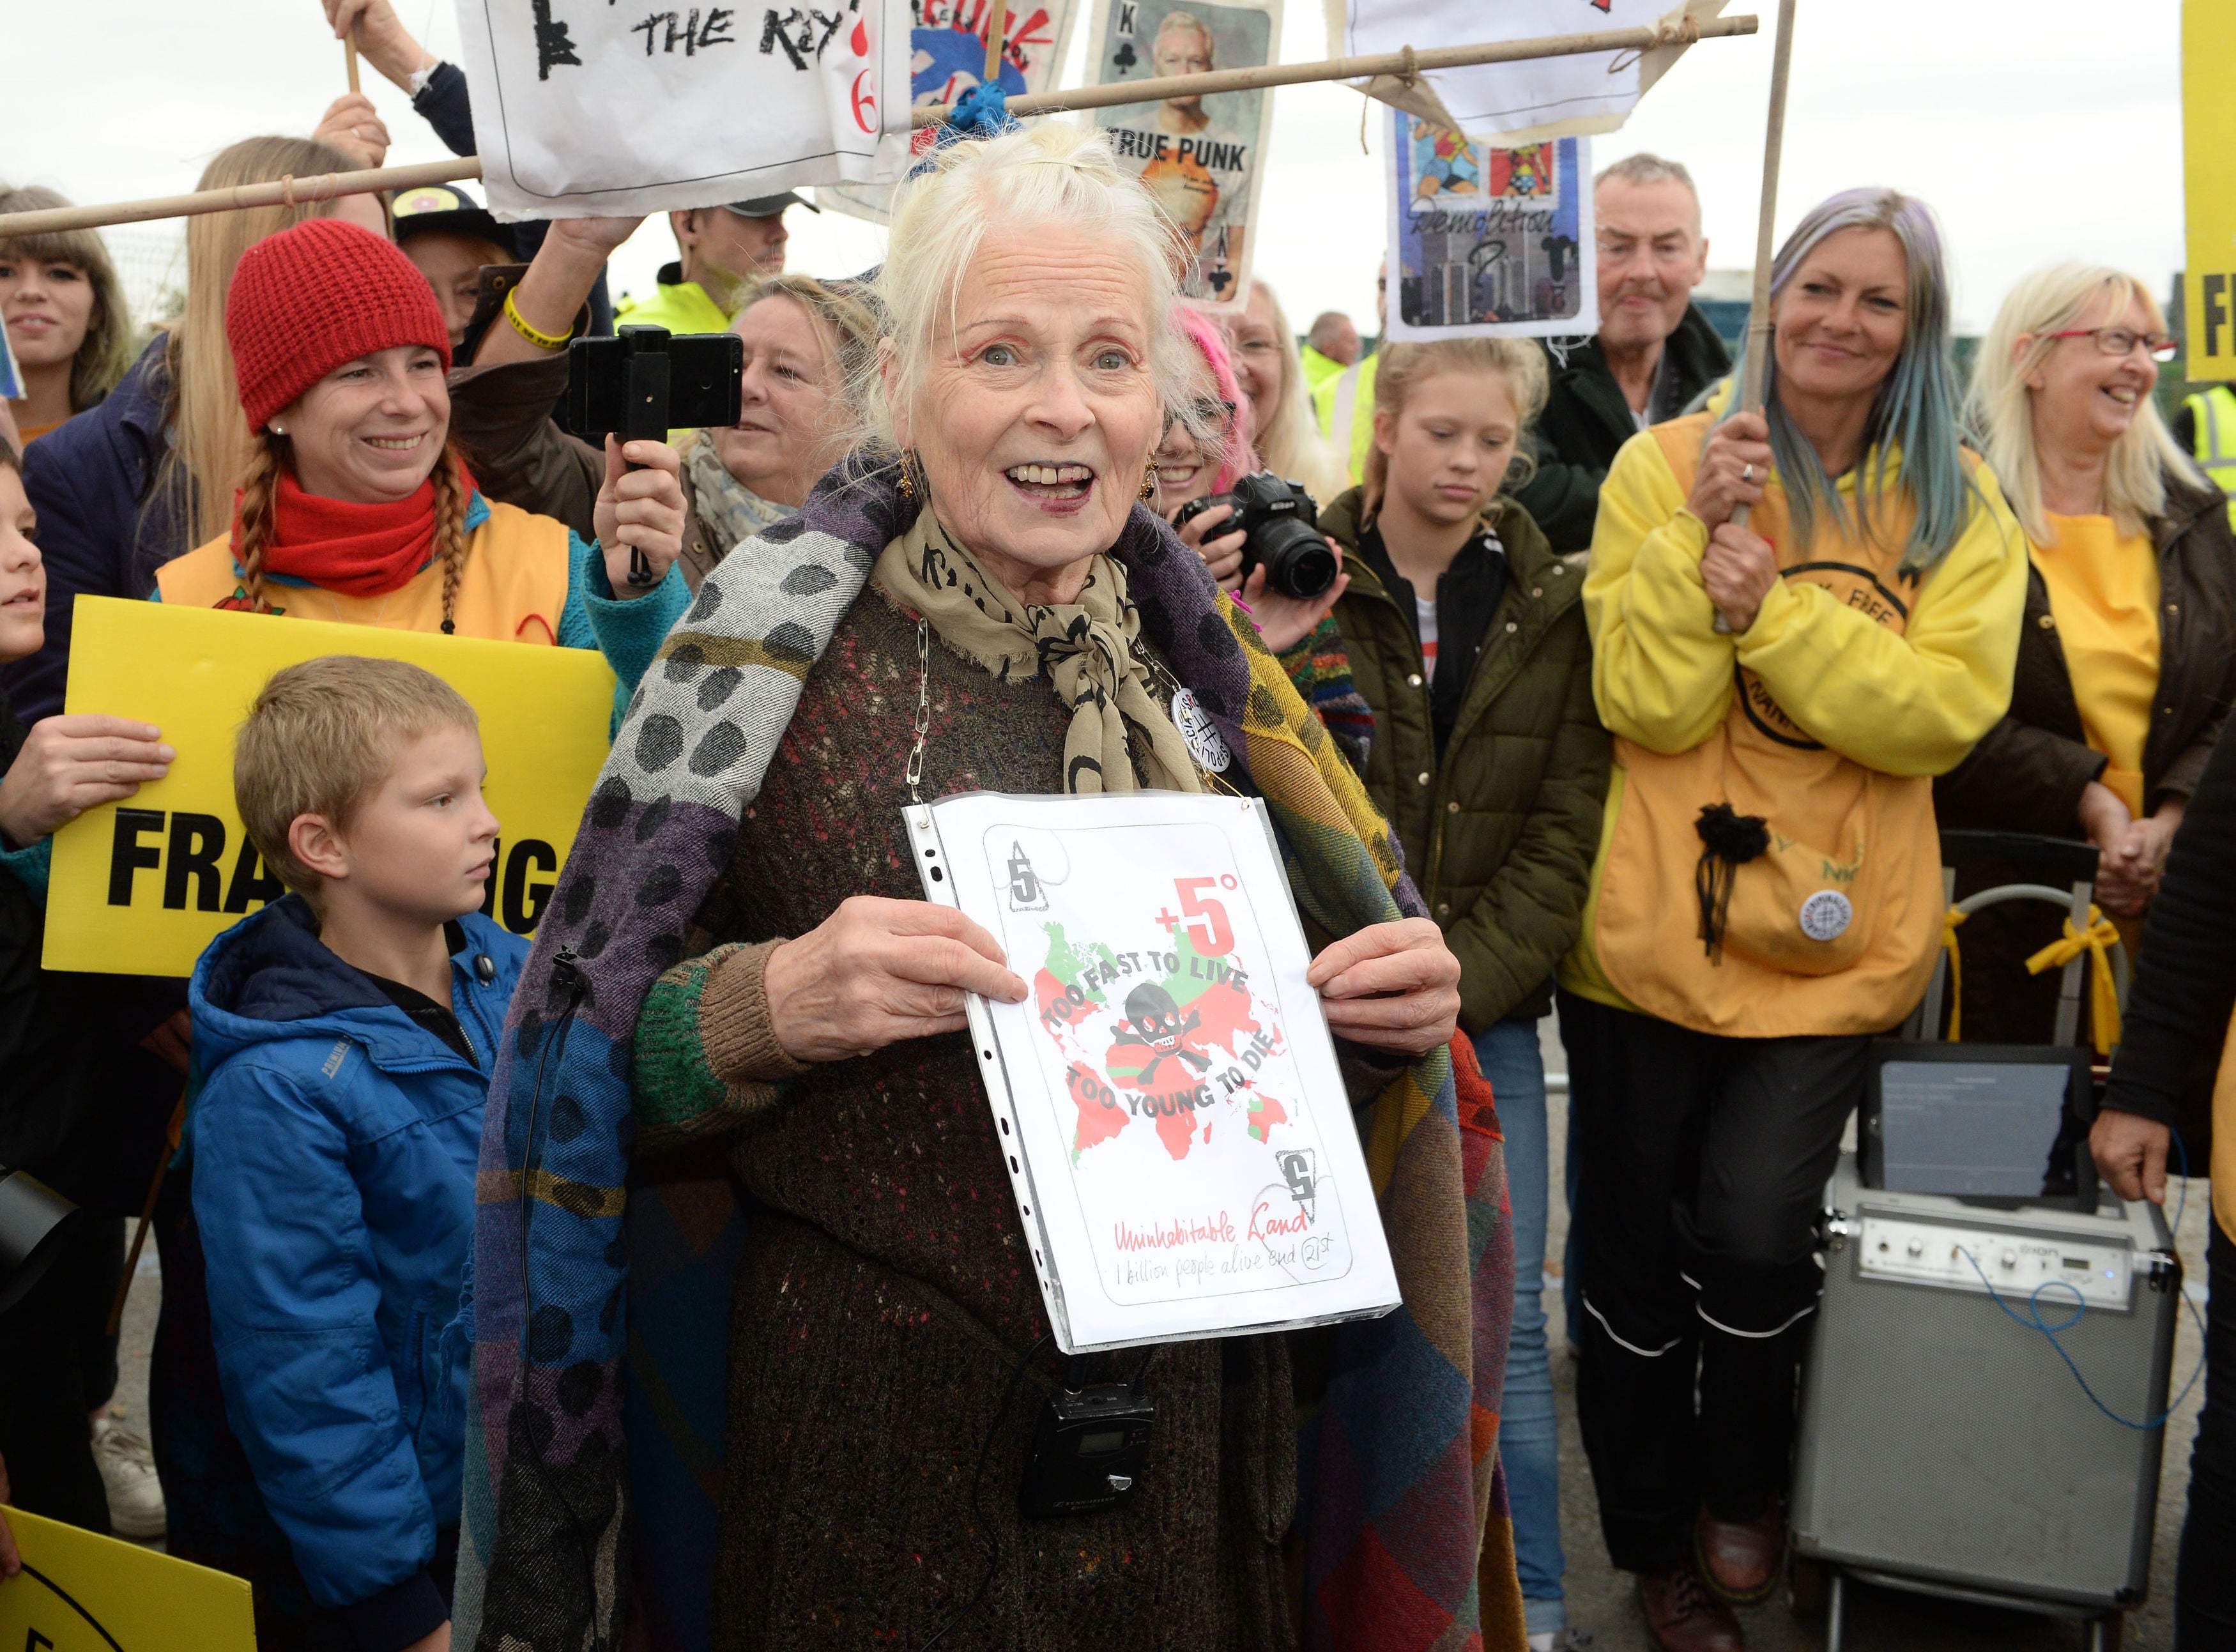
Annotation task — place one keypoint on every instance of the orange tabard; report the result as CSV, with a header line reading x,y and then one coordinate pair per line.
x,y
513,587
1832,929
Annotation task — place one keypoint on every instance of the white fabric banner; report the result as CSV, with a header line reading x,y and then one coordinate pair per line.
x,y
584,108
1540,98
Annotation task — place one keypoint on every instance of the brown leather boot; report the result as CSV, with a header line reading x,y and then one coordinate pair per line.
x,y
1683,1616
1740,1558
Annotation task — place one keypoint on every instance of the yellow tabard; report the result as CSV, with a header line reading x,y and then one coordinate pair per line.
x,y
1832,929
512,590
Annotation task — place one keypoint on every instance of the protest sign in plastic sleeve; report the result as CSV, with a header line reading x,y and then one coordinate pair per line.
x,y
141,886
584,108
80,1593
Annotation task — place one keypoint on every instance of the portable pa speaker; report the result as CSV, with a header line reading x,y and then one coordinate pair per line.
x,y
1944,1445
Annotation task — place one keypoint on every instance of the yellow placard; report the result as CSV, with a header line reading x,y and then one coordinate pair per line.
x,y
140,887
2208,150
80,1593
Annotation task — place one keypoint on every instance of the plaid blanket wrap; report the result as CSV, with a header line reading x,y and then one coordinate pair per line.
x,y
574,1279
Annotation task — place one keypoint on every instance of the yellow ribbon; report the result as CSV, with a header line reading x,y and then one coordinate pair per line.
x,y
2104,989
1949,920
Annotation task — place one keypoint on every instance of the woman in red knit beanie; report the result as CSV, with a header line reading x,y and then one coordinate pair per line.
x,y
355,505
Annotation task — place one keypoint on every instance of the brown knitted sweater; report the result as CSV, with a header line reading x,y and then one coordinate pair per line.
x,y
885,1299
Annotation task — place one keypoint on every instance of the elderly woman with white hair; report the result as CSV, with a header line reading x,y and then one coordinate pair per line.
x,y
736,954
2127,660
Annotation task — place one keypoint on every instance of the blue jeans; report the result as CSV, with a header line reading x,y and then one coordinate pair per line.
x,y
1529,1442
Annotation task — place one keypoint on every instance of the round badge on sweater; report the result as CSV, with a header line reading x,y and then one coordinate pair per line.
x,y
1205,743
1826,914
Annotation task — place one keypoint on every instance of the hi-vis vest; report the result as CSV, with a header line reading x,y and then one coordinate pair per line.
x,y
1344,406
512,590
1833,929
2214,414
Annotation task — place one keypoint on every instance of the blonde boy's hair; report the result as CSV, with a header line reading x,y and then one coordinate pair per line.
x,y
321,738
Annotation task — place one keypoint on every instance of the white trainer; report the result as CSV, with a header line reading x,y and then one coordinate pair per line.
x,y
128,1470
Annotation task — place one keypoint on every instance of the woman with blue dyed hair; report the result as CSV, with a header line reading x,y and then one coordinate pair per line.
x,y
1767,894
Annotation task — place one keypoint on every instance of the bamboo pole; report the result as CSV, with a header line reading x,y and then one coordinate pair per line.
x,y
466,169
349,56
997,29
1404,65
1766,228
1753,388
325,187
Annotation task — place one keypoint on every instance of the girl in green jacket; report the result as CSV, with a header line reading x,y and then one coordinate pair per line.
x,y
1466,635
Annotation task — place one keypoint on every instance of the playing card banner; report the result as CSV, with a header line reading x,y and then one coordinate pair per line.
x,y
1202,157
592,107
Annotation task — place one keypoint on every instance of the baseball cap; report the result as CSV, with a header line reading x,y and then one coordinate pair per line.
x,y
450,210
768,205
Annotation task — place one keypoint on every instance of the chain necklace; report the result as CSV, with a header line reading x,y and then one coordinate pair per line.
x,y
922,709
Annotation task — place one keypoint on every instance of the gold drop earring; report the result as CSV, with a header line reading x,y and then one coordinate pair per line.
x,y
1149,484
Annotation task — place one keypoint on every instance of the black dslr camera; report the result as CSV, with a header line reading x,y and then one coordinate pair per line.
x,y
1277,518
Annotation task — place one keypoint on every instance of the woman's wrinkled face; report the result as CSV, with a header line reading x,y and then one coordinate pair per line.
x,y
2084,397
1035,421
1842,316
788,403
1259,361
1449,447
46,307
371,430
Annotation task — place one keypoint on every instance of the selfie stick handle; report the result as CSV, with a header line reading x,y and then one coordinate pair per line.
x,y
647,413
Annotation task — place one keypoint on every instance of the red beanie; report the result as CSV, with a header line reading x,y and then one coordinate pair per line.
x,y
312,298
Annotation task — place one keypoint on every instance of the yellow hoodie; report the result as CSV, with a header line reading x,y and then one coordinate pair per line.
x,y
1854,686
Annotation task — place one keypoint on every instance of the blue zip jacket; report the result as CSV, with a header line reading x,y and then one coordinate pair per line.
x,y
334,1141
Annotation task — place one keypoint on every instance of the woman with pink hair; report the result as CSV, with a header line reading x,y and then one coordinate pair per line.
x,y
1301,632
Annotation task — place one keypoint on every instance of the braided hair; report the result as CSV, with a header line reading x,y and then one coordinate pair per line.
x,y
253,515
259,488
451,542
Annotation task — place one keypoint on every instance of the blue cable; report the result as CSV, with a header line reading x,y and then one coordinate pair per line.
x,y
2033,1315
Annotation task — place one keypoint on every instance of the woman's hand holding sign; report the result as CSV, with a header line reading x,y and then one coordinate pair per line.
x,y
1392,986
69,765
879,972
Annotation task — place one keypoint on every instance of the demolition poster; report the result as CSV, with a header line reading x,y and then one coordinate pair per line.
x,y
1203,157
1179,1140
1485,240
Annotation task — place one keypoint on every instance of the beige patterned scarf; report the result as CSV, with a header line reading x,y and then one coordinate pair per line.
x,y
1085,648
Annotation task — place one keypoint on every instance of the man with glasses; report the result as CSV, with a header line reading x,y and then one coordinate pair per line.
x,y
1653,353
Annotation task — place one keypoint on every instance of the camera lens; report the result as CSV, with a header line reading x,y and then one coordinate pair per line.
x,y
1297,561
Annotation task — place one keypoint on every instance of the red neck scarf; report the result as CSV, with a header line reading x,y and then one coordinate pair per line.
x,y
352,549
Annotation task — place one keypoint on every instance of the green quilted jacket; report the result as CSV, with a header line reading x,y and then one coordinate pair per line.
x,y
1499,836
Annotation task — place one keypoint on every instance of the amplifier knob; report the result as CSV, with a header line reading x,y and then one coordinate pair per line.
x,y
2009,1259
1917,1248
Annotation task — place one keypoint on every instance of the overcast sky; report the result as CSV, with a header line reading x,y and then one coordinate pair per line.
x,y
2044,131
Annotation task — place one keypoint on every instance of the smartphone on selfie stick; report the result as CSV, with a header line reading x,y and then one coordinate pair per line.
x,y
646,381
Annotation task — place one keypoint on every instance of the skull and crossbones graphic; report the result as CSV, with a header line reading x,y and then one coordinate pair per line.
x,y
1155,1032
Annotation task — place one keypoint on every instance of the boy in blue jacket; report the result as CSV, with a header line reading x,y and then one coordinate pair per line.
x,y
345,1036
